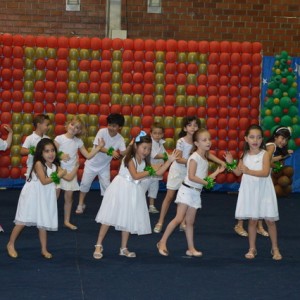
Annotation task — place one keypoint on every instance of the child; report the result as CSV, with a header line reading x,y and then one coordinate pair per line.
x,y
257,198
188,197
69,143
41,125
158,156
124,203
277,148
99,165
37,204
178,170
7,143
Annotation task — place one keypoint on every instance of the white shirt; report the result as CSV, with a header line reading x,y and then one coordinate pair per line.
x,y
157,148
69,146
3,145
186,149
31,140
101,160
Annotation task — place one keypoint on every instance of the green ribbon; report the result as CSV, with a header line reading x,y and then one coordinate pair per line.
x,y
31,150
278,167
165,156
231,166
210,183
110,151
150,170
54,177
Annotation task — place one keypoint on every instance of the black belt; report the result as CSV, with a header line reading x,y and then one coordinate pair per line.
x,y
191,187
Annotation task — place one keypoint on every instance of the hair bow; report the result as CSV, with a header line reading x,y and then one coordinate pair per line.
x,y
141,134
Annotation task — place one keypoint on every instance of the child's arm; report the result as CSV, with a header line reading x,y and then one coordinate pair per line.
x,y
72,174
229,159
94,151
264,172
40,172
123,153
215,159
162,169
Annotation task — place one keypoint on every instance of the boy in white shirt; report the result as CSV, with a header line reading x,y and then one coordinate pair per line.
x,y
158,156
41,123
99,165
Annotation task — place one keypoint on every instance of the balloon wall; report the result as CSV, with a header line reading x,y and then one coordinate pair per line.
x,y
145,80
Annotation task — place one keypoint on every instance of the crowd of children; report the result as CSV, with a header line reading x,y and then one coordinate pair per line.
x,y
52,166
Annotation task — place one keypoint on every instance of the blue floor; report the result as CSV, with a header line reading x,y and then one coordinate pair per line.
x,y
222,273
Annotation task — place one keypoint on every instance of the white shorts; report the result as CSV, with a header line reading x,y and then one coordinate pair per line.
x,y
88,177
175,178
189,196
69,185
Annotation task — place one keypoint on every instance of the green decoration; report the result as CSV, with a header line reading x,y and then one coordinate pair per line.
x,y
31,150
277,167
54,177
110,151
165,156
210,183
150,170
231,166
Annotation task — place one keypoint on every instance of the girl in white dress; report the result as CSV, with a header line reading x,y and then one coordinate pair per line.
x,y
69,144
189,193
37,204
257,198
124,203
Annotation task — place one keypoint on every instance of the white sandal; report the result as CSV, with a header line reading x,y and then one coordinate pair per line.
x,y
80,209
127,253
96,254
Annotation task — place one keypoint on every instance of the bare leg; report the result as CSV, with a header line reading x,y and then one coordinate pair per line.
x,y
124,250
151,201
68,209
180,215
98,247
252,239
189,231
273,236
164,209
81,205
43,241
12,240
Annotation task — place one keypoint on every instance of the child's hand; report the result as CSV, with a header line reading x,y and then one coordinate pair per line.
x,y
219,170
116,155
228,157
243,168
8,128
175,155
290,152
101,143
131,142
65,157
61,173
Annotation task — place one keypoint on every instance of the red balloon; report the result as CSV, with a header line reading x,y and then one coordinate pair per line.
x,y
137,110
214,46
105,110
211,123
212,112
148,110
159,110
222,134
203,46
201,112
115,109
222,123
213,133
222,145
223,112
244,123
233,112
147,121
233,123
72,108
191,111
232,134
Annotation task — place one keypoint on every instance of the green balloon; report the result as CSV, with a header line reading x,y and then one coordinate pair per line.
x,y
290,79
293,111
268,122
286,121
285,102
276,111
295,131
292,92
272,85
277,93
292,145
283,87
284,54
269,103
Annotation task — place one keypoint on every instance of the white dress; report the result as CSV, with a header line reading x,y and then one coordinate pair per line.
x,y
124,204
257,198
37,204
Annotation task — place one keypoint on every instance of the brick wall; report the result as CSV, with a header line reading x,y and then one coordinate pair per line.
x,y
275,23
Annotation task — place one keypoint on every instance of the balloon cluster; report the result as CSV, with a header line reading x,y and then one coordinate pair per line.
x,y
281,103
145,80
282,181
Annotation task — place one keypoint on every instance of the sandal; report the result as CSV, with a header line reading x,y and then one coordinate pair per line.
x,y
127,253
80,209
194,253
47,255
157,228
276,254
251,253
182,227
262,231
98,252
70,226
163,252
240,230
